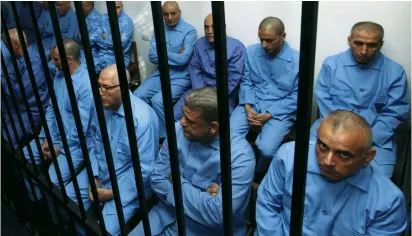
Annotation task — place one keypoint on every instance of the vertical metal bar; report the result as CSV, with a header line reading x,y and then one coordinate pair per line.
x,y
69,84
168,108
124,88
41,109
309,23
12,122
23,92
219,25
6,130
99,108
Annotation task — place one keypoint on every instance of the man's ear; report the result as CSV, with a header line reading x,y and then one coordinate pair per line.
x,y
349,41
369,156
213,127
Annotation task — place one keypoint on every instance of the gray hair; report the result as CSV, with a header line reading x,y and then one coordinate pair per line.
x,y
368,26
203,100
113,69
342,120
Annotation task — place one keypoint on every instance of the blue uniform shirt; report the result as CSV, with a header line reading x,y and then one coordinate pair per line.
x,y
68,26
146,129
106,45
183,34
363,204
271,82
85,103
46,30
42,89
377,91
199,168
202,67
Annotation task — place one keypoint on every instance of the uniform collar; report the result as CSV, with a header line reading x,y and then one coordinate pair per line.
x,y
77,75
360,180
376,63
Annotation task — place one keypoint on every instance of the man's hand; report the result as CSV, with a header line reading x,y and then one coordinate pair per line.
x,y
105,194
104,36
263,117
46,150
250,115
213,189
170,178
96,182
181,50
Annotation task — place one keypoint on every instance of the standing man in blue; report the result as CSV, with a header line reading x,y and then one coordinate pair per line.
x,y
180,41
23,70
365,81
344,194
146,129
268,90
199,159
202,68
85,103
46,29
105,40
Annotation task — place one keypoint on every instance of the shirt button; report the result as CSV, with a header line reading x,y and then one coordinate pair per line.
x,y
324,212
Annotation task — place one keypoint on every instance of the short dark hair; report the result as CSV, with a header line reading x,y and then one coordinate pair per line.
x,y
368,26
273,23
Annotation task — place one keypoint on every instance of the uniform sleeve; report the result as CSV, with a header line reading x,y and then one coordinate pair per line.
x,y
269,202
176,59
287,106
126,32
73,30
208,210
195,73
236,64
94,142
393,113
247,93
393,221
323,97
153,51
46,27
160,182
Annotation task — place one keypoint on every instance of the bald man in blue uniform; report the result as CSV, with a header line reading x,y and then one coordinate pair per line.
x,y
202,68
268,90
180,41
344,194
365,81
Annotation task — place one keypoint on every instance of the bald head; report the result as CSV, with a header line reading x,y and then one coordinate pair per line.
x,y
72,49
14,36
343,121
173,4
368,26
111,72
15,42
272,23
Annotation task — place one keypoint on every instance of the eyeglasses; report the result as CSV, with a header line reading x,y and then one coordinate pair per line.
x,y
105,88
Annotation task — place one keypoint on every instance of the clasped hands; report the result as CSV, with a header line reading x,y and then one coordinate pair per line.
x,y
254,118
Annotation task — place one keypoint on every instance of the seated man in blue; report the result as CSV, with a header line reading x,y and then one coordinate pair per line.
x,y
46,29
94,28
105,41
344,194
68,26
180,41
199,158
202,68
365,81
25,18
268,90
84,97
146,129
16,89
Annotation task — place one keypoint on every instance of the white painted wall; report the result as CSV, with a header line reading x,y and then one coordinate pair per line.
x,y
334,23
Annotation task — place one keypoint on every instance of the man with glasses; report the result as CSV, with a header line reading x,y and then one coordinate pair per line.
x,y
146,129
105,41
180,41
365,81
202,69
344,194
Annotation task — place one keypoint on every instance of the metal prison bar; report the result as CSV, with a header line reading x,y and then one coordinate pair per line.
x,y
309,21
